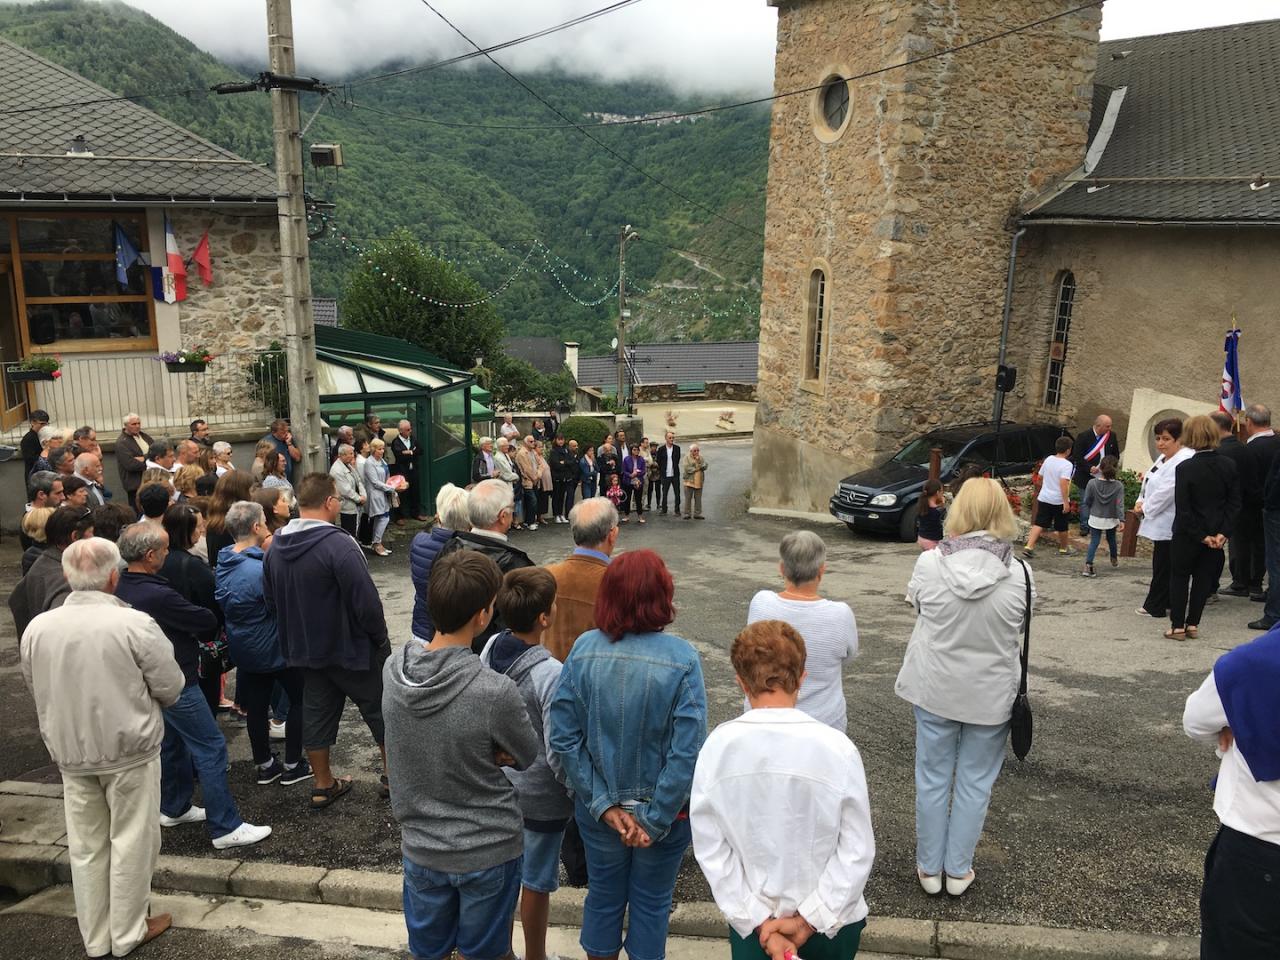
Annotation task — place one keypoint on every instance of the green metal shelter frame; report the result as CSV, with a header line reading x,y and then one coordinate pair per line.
x,y
363,373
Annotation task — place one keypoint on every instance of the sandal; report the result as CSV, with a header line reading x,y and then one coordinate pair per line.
x,y
1175,634
1193,633
322,797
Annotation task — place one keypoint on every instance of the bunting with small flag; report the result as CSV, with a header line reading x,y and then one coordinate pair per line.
x,y
1231,400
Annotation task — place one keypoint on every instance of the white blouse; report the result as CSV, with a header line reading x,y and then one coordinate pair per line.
x,y
1156,496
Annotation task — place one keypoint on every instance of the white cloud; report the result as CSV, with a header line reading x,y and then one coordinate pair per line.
x,y
715,47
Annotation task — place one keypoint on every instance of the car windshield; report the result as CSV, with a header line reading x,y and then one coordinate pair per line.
x,y
917,451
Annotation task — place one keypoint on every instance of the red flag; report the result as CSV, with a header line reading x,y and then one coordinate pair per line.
x,y
200,257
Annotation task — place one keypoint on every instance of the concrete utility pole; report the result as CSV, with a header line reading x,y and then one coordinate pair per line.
x,y
299,324
626,235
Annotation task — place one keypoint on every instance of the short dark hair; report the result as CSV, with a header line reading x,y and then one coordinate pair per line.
x,y
1062,445
180,521
159,449
153,500
525,595
635,595
462,583
56,455
62,527
768,655
73,483
197,423
110,518
82,433
1171,426
1223,419
314,489
39,416
1109,466
41,481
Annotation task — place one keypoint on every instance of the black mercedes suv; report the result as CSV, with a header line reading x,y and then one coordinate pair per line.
x,y
883,499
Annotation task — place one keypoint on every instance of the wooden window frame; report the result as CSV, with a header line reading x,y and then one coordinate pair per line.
x,y
1063,307
9,223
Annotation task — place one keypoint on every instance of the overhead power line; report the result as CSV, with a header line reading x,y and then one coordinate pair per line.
x,y
599,143
719,108
546,31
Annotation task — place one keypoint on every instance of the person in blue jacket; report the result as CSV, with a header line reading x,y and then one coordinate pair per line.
x,y
255,646
587,471
451,513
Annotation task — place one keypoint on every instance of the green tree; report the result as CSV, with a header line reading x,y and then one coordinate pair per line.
x,y
517,384
384,296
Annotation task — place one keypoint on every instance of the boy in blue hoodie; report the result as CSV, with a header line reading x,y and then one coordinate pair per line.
x,y
451,725
527,605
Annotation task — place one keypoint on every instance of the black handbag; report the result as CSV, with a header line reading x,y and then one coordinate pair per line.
x,y
1020,724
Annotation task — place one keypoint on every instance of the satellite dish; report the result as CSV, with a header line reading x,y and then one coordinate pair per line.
x,y
613,344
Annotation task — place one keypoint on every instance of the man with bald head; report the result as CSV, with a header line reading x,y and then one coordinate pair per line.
x,y
1086,455
404,447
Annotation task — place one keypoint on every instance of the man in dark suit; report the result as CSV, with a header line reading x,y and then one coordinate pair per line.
x,y
1086,454
30,443
1231,448
131,456
1271,534
668,460
406,451
1261,446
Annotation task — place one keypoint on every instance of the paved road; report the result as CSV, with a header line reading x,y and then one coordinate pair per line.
x,y
1104,827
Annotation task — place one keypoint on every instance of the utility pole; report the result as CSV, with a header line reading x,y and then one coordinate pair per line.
x,y
299,323
626,235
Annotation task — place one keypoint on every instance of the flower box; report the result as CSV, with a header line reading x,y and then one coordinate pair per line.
x,y
179,367
28,376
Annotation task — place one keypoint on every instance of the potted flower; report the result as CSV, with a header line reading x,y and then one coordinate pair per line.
x,y
41,367
190,360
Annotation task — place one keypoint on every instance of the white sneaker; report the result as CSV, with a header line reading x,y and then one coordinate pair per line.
x,y
242,836
930,884
531,526
956,886
275,730
194,814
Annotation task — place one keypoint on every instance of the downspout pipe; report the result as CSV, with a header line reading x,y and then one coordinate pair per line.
x,y
997,407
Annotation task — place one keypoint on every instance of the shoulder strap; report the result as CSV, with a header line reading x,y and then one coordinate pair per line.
x,y
1026,630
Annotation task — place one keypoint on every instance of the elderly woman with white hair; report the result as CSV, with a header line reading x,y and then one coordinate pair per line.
x,y
451,516
828,627
222,458
961,674
350,484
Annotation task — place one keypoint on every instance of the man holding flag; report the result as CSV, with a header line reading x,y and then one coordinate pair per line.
x,y
1086,454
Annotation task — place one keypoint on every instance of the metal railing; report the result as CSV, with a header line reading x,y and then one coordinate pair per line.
x,y
234,391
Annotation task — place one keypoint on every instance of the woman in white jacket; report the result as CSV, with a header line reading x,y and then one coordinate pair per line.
x,y
1155,506
961,673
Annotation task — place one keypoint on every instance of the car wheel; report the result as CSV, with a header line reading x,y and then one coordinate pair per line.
x,y
907,526
852,528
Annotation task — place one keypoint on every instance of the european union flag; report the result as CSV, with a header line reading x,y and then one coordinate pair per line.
x,y
126,254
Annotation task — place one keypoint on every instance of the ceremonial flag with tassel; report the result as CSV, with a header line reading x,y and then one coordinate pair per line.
x,y
1231,400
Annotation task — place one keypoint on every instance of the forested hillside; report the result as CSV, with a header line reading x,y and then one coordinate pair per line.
x,y
476,195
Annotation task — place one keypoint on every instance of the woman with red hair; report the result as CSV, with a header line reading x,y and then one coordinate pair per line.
x,y
627,722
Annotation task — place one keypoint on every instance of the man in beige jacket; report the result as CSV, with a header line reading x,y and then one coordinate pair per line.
x,y
100,672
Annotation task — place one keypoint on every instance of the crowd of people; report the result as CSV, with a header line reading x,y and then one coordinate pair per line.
x,y
567,722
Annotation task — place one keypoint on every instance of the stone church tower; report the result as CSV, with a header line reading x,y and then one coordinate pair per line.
x,y
889,211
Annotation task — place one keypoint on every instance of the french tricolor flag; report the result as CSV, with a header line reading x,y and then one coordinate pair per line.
x,y
1232,398
175,286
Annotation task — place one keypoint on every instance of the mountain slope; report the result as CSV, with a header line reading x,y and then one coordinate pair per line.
x,y
479,196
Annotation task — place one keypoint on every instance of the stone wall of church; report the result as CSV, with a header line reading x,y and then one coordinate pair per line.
x,y
1151,310
908,210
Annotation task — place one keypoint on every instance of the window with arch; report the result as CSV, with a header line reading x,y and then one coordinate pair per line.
x,y
815,340
1061,333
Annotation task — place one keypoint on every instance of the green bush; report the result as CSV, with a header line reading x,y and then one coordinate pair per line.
x,y
1132,486
588,431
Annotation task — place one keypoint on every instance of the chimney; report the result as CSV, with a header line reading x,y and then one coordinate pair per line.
x,y
571,358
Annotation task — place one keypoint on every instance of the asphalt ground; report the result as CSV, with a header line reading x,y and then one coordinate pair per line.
x,y
1105,826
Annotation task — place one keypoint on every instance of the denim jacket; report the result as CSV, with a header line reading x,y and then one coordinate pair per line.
x,y
628,720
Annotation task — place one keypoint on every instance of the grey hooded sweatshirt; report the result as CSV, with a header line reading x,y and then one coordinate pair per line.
x,y
446,715
544,799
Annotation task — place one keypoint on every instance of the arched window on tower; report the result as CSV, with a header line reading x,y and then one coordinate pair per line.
x,y
1061,333
815,340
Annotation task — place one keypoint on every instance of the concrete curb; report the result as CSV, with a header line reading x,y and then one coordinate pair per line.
x,y
28,868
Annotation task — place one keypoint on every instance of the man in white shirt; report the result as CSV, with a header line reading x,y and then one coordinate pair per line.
x,y
1234,709
779,812
1052,500
508,429
160,456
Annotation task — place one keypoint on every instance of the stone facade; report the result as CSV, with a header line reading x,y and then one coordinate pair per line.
x,y
1152,306
908,210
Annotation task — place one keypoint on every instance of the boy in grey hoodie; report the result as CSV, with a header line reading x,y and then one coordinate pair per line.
x,y
527,605
452,724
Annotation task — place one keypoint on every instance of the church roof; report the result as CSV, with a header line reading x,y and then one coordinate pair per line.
x,y
137,155
730,361
1200,120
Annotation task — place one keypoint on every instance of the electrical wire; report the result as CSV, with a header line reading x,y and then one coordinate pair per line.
x,y
599,143
546,31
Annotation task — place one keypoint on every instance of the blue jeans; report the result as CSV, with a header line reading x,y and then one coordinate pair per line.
x,y
1084,511
1095,538
1271,533
467,911
588,489
192,739
956,766
638,880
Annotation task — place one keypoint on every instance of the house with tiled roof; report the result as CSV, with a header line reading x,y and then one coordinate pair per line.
x,y
85,174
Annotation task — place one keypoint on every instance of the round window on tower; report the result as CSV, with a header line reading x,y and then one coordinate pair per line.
x,y
831,108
